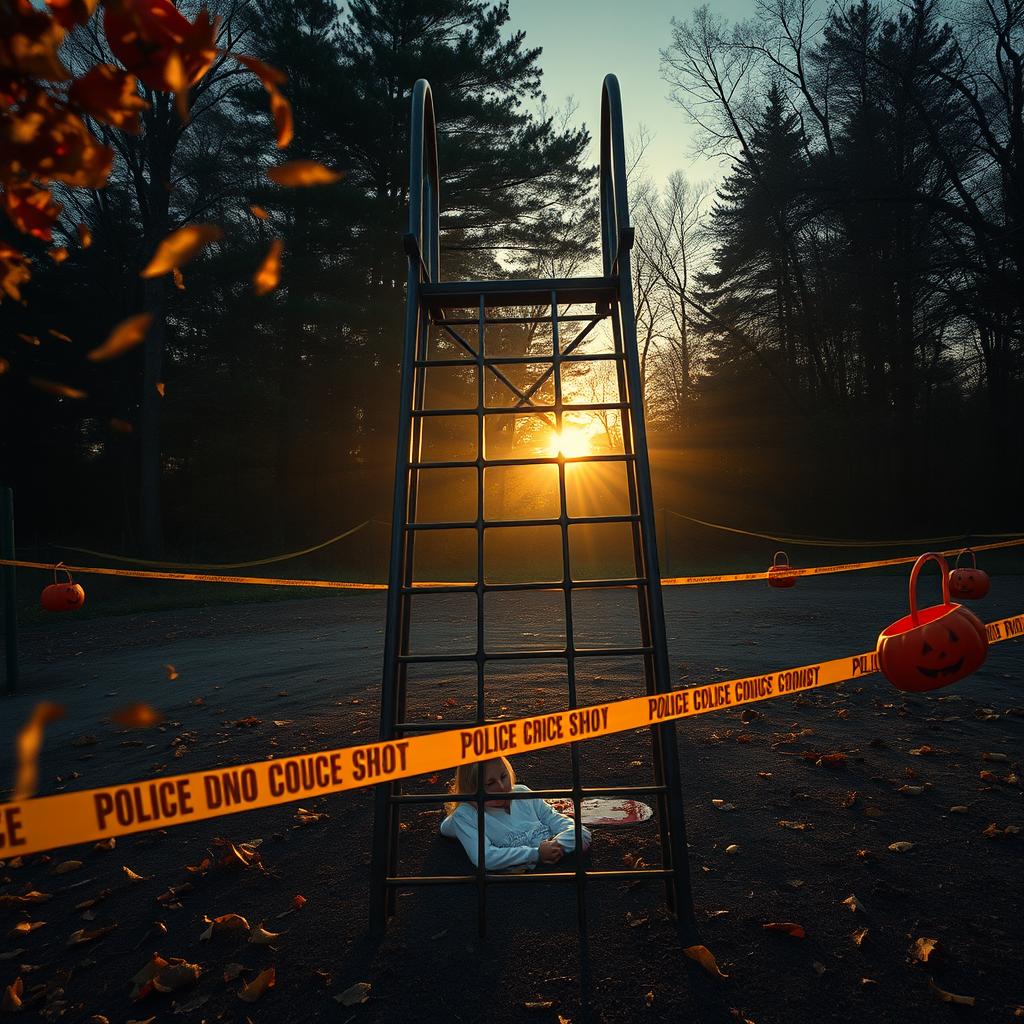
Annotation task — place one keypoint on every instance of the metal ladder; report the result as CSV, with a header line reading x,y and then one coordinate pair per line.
x,y
430,306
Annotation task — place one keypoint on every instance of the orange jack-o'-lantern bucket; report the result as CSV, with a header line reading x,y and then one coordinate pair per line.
x,y
62,597
778,572
935,646
968,584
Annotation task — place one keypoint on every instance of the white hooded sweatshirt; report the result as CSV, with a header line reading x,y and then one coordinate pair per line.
x,y
512,837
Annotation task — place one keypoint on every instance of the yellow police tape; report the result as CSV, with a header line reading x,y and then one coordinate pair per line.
x,y
671,581
46,822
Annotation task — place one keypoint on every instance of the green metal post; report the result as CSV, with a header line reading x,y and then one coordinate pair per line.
x,y
9,595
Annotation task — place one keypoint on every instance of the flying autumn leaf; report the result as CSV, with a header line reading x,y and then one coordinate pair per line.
x,y
55,387
70,13
28,745
160,388
179,279
14,272
179,247
298,173
4,366
84,235
127,334
281,111
137,716
268,275
148,36
121,426
706,959
33,211
258,211
109,94
58,255
255,988
59,336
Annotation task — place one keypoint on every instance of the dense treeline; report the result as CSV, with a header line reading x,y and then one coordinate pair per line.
x,y
832,339
856,286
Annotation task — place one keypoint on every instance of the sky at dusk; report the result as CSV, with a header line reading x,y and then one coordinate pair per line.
x,y
583,40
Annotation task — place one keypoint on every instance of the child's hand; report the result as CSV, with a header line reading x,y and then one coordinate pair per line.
x,y
551,851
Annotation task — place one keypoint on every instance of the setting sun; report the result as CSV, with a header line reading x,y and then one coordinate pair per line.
x,y
572,442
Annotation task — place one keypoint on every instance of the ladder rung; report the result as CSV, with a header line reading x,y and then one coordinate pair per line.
x,y
470,588
539,794
547,654
523,410
552,876
539,360
540,460
524,319
497,524
456,294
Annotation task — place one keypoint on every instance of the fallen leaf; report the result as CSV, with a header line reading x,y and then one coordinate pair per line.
x,y
201,868
723,805
854,904
901,847
65,866
649,998
232,971
705,958
224,923
11,1001
923,950
133,877
176,974
873,812
994,757
796,826
255,988
12,954
28,745
988,777
732,848
790,928
126,335
84,935
137,716
858,936
536,1004
172,672
25,928
837,760
297,173
89,903
356,994
173,892
179,247
261,937
949,997
958,809
911,790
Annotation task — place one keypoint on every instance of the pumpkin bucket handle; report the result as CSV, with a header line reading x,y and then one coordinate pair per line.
x,y
785,560
61,567
918,566
966,551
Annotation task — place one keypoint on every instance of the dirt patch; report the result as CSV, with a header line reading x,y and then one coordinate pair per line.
x,y
309,671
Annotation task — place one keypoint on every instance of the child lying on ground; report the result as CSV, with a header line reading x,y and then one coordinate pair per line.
x,y
517,833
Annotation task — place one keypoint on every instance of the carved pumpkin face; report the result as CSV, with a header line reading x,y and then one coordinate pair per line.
x,y
62,597
947,643
968,584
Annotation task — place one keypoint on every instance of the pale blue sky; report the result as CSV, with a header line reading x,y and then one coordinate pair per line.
x,y
583,40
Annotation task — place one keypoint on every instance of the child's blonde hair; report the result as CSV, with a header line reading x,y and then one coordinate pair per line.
x,y
467,779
